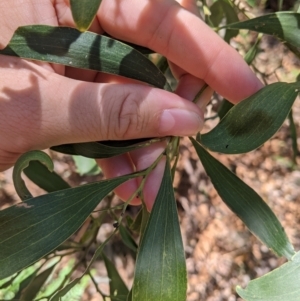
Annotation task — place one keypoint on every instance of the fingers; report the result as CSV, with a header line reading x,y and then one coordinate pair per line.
x,y
143,158
189,86
20,13
40,108
190,5
137,160
176,32
119,166
184,39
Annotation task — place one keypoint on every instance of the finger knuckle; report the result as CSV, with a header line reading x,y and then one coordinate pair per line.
x,y
126,118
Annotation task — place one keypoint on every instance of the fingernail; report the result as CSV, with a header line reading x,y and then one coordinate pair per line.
x,y
179,122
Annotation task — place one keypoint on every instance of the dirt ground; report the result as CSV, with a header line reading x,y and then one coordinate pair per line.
x,y
220,252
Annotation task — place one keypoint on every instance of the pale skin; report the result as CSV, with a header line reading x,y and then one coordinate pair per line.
x,y
43,105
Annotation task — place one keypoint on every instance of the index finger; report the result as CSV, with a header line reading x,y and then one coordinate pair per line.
x,y
184,39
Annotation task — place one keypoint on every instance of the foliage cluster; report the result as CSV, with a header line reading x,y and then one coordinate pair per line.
x,y
37,233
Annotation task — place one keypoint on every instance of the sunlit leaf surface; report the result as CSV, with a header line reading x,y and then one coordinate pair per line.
x,y
253,121
127,238
68,46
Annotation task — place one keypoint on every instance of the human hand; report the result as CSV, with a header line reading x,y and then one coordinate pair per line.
x,y
43,105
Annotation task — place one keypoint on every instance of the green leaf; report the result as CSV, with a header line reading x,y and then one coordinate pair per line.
x,y
127,238
253,121
84,12
281,284
246,204
251,54
283,25
224,108
22,163
35,227
160,272
145,220
135,225
30,292
129,297
103,149
117,287
294,137
163,64
86,166
41,176
231,17
217,13
68,46
141,49
140,222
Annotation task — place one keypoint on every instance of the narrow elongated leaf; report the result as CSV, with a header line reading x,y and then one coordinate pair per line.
x,y
220,9
39,225
294,137
281,284
144,222
22,163
251,54
127,238
135,224
160,273
283,25
30,292
84,12
231,17
41,176
253,121
68,46
217,13
246,204
140,222
100,150
118,289
129,297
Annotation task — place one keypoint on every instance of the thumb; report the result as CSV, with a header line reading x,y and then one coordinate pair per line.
x,y
46,109
127,111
